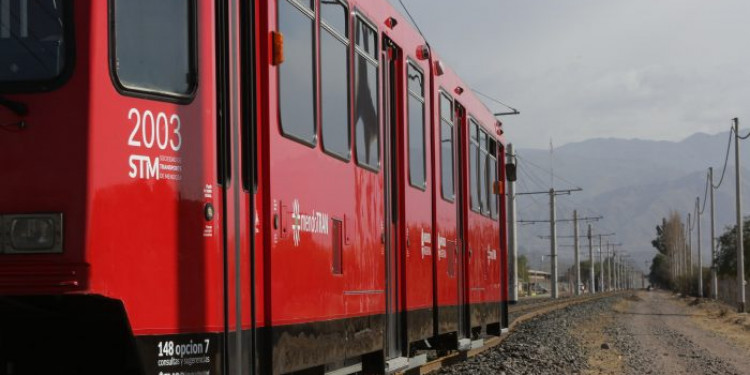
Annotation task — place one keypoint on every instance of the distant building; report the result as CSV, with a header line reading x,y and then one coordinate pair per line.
x,y
539,283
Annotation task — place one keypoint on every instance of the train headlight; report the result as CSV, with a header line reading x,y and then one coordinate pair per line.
x,y
32,233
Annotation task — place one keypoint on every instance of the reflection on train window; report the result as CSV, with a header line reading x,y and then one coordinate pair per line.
x,y
446,147
366,96
334,78
297,73
473,167
154,46
416,127
32,40
483,172
492,178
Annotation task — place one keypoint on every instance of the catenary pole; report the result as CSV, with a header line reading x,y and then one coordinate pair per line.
x,y
612,263
591,263
553,241
738,195
698,239
512,233
601,266
714,279
575,245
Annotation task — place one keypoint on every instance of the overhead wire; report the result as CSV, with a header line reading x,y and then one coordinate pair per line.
x,y
726,159
705,195
546,170
414,22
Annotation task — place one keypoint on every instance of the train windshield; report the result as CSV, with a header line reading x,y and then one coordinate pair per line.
x,y
32,40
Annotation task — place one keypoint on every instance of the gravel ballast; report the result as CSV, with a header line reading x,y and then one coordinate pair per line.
x,y
539,346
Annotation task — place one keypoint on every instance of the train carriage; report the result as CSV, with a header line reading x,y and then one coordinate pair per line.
x,y
226,187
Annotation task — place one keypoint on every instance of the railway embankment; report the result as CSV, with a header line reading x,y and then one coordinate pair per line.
x,y
628,333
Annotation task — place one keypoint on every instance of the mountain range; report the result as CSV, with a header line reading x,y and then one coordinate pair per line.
x,y
633,184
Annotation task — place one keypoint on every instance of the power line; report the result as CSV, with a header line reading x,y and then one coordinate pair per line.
x,y
414,22
705,195
726,159
545,170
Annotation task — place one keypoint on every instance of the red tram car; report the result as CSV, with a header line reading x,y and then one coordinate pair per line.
x,y
236,187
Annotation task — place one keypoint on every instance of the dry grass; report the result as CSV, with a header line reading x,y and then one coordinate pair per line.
x,y
722,319
591,336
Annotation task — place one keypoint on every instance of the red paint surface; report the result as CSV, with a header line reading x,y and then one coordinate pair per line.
x,y
146,242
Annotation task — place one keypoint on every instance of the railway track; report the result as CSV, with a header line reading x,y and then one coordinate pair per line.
x,y
517,314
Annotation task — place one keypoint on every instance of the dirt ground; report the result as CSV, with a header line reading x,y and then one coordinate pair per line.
x,y
659,333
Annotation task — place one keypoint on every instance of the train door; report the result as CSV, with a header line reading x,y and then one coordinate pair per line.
x,y
392,99
235,80
460,153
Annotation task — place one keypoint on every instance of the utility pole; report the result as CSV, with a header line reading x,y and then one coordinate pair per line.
x,y
601,266
513,232
689,252
575,244
553,231
714,281
700,259
613,270
553,241
591,263
738,195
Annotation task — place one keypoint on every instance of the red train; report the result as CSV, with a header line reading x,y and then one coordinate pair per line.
x,y
235,187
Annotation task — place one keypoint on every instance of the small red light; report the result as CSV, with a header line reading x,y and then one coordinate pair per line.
x,y
499,128
391,22
459,90
423,52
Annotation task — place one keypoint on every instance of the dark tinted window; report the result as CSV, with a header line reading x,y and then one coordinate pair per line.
x,y
334,78
416,128
446,146
33,47
366,97
155,46
483,172
492,166
366,39
334,15
473,167
297,73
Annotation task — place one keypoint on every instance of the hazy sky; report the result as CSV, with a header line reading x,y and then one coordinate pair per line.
x,y
580,69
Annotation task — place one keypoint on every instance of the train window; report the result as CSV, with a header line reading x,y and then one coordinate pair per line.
x,y
334,78
333,13
492,168
416,127
297,73
366,39
473,167
366,96
446,146
483,172
154,47
35,38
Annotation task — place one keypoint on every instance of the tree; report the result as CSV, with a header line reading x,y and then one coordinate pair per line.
x,y
669,266
523,268
726,258
660,272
